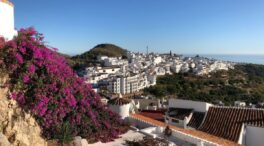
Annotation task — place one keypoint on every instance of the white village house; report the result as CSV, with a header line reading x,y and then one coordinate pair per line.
x,y
210,125
7,21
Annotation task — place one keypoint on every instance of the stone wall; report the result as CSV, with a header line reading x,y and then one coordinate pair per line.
x,y
17,128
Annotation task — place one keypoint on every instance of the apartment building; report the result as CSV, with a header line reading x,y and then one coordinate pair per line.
x,y
123,84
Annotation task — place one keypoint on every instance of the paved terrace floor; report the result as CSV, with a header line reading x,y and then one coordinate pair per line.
x,y
196,133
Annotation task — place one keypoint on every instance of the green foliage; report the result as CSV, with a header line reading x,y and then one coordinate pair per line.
x,y
109,50
65,136
245,83
89,57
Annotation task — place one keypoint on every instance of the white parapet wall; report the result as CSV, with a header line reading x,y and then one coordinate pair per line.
x,y
189,104
176,134
7,22
254,136
121,110
144,103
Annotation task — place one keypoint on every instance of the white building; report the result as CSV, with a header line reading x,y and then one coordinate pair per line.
x,y
157,60
7,22
115,85
108,70
185,67
189,104
218,65
152,79
176,67
101,58
240,103
124,84
121,106
129,84
142,82
201,69
114,61
94,79
160,71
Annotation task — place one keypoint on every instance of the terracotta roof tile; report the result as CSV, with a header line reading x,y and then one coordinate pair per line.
x,y
196,133
227,122
196,120
154,114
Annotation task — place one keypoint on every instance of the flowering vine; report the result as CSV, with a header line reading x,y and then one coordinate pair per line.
x,y
42,82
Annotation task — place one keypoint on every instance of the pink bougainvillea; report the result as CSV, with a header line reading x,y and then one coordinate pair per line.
x,y
42,82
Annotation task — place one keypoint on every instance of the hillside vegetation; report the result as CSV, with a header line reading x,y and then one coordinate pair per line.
x,y
244,83
89,57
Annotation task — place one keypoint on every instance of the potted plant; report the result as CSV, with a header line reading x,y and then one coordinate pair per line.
x,y
167,133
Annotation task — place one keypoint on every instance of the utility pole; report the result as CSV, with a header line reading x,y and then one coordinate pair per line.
x,y
147,50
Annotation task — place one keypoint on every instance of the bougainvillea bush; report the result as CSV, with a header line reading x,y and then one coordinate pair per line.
x,y
42,83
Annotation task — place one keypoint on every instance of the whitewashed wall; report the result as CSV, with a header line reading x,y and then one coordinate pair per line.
x,y
109,70
254,136
7,21
189,104
122,111
177,134
144,103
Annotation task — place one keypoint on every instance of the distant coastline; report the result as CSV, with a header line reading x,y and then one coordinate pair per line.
x,y
254,59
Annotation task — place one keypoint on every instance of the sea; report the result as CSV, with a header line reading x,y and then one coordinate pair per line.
x,y
253,59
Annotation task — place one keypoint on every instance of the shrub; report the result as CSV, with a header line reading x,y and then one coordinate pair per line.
x,y
42,83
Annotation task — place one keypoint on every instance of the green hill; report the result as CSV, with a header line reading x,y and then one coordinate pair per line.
x,y
109,50
89,57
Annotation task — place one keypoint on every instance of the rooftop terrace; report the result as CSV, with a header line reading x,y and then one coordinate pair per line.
x,y
196,133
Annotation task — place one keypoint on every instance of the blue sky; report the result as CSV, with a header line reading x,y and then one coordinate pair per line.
x,y
183,26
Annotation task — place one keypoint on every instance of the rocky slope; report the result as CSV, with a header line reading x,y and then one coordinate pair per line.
x,y
17,128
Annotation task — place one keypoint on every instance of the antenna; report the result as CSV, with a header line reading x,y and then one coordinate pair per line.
x,y
147,50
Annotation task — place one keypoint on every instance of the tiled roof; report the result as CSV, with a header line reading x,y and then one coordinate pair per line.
x,y
179,113
227,122
119,101
196,120
196,133
154,114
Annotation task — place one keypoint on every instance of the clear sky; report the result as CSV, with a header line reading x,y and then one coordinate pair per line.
x,y
183,26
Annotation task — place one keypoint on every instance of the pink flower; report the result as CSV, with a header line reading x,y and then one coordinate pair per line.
x,y
19,58
37,54
26,79
52,91
71,100
2,42
22,50
14,95
107,125
31,69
